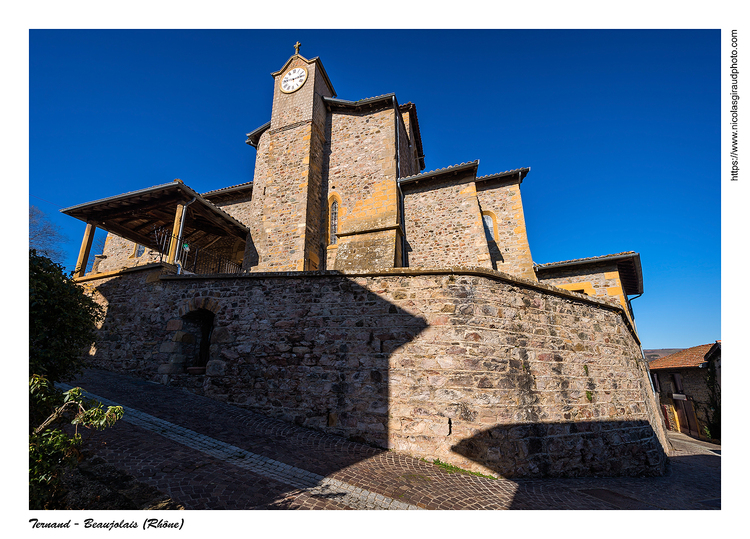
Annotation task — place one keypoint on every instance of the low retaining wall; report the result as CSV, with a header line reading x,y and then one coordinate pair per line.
x,y
482,370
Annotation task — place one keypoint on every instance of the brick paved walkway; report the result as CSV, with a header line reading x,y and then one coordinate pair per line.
x,y
210,455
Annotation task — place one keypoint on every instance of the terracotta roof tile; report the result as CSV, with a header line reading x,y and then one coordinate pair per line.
x,y
688,358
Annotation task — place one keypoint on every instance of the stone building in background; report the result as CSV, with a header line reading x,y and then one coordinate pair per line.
x,y
346,289
688,383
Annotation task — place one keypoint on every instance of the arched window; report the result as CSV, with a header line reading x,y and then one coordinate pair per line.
x,y
138,251
489,226
489,220
334,222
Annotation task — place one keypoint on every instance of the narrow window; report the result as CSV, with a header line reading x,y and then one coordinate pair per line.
x,y
489,226
138,251
489,223
334,228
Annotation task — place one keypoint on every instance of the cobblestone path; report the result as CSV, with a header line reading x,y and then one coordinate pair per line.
x,y
210,455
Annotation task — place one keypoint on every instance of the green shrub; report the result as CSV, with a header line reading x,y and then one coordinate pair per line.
x,y
62,320
50,448
62,324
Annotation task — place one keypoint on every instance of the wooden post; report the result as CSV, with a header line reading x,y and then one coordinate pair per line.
x,y
175,233
83,254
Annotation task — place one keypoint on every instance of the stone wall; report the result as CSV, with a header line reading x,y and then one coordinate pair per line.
x,y
375,250
121,253
280,198
315,219
598,280
362,156
695,385
361,170
510,252
476,368
443,223
239,208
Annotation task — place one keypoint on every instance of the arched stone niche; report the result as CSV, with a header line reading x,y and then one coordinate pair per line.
x,y
188,341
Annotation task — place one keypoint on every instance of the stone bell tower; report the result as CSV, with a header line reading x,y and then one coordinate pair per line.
x,y
288,200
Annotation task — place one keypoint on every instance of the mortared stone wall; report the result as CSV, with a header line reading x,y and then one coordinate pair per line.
x,y
477,368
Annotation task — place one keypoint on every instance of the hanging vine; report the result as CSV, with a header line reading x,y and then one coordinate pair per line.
x,y
713,410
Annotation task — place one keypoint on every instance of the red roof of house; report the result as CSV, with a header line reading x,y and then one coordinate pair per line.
x,y
690,357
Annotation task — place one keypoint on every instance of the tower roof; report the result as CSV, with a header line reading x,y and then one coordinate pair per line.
x,y
319,68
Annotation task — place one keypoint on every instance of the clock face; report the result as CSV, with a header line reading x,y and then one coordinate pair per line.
x,y
293,80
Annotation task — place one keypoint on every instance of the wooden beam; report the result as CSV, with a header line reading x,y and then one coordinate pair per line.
x,y
160,214
83,254
194,236
173,246
130,235
206,216
140,204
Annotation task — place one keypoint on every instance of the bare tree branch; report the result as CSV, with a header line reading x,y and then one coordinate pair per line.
x,y
45,236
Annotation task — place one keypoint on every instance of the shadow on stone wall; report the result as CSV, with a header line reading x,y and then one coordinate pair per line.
x,y
251,258
314,352
324,350
568,449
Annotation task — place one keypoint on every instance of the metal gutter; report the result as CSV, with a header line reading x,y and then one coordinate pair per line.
x,y
630,307
182,226
396,117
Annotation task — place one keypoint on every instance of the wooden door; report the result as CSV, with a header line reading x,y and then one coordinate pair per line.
x,y
683,405
692,418
687,418
682,420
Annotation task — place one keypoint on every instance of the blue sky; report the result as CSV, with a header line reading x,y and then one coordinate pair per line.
x,y
621,130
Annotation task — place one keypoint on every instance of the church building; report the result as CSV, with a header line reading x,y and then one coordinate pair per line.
x,y
341,206
340,185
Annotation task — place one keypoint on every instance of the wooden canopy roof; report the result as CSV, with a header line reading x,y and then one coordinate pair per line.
x,y
135,215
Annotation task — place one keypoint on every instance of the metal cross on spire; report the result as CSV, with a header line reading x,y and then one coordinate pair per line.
x,y
296,47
